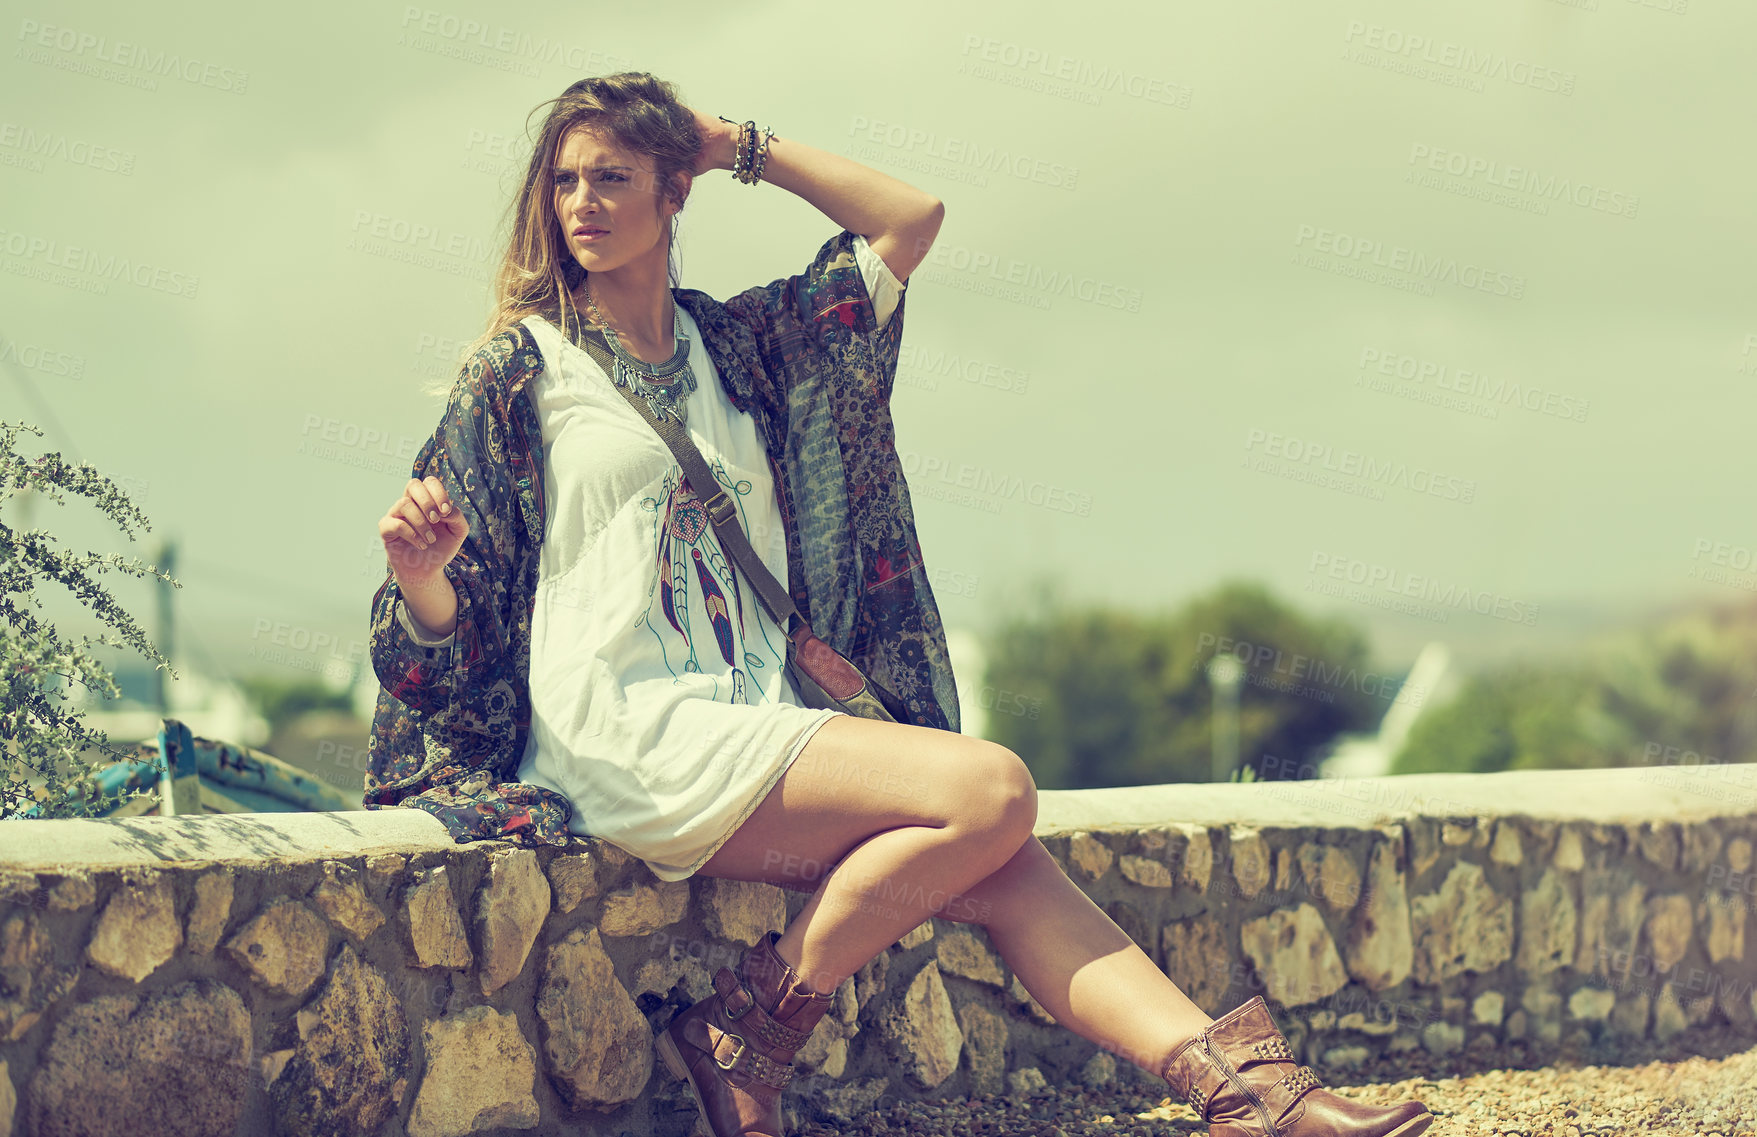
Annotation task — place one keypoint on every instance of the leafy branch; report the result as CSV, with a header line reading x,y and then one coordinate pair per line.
x,y
42,733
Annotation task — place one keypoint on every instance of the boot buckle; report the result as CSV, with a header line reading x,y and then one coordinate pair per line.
x,y
737,1052
737,1002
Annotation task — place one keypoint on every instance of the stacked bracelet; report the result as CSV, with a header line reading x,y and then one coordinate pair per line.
x,y
762,155
749,156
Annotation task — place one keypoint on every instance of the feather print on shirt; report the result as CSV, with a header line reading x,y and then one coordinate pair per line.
x,y
714,602
684,535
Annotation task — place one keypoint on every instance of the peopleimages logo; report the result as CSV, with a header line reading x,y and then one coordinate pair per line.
x,y
1550,187
1443,593
937,364
1258,657
960,155
1034,277
1354,464
1039,69
1399,258
26,147
988,487
1416,49
1494,391
61,364
119,60
496,45
88,269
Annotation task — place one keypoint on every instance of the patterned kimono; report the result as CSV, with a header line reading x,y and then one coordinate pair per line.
x,y
804,357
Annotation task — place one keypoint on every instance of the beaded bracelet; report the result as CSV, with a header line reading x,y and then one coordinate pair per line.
x,y
748,159
762,155
741,149
746,142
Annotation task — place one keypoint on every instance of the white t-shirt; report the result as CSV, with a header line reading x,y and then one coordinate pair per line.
x,y
664,723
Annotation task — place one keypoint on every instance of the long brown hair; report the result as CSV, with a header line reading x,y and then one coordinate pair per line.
x,y
644,116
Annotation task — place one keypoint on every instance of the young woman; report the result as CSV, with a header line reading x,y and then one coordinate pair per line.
x,y
564,647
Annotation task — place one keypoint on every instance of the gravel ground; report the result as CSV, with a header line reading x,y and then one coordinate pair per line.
x,y
1694,1096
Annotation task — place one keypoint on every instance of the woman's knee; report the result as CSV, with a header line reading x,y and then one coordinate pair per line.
x,y
1005,802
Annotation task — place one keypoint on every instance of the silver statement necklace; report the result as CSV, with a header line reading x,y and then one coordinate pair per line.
x,y
663,385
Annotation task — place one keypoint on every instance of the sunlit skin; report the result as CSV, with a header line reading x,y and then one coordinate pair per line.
x,y
599,184
970,837
1068,952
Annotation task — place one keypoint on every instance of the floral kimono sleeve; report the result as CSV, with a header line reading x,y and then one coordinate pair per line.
x,y
428,678
829,368
447,726
818,323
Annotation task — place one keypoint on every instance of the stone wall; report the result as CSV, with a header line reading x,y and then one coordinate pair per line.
x,y
356,973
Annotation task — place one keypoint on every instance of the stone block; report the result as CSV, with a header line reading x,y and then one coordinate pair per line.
x,y
209,912
511,906
436,928
1594,1004
1547,925
962,953
642,909
1331,875
177,1061
1199,961
1464,926
1379,944
1726,915
30,979
352,1062
136,931
1570,854
1146,872
1506,848
341,897
1090,856
1251,861
1294,955
985,1047
923,1029
573,879
742,911
1668,930
597,1046
283,947
480,1075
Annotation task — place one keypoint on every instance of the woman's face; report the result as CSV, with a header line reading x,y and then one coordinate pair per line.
x,y
607,202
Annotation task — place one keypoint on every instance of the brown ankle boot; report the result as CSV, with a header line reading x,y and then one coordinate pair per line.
x,y
736,1046
1242,1080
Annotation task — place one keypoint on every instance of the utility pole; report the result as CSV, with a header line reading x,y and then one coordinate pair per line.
x,y
167,557
1224,673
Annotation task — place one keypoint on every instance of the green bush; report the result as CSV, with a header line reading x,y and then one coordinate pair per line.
x,y
42,735
1093,697
1688,684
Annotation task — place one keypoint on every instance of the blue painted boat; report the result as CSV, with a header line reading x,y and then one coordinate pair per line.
x,y
208,776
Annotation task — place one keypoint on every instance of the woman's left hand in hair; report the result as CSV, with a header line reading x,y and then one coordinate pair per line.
x,y
719,143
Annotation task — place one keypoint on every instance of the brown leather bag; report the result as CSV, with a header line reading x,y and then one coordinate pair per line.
x,y
824,677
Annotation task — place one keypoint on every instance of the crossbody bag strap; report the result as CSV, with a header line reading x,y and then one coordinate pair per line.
x,y
721,509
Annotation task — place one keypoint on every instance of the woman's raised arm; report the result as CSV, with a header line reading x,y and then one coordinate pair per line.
x,y
899,221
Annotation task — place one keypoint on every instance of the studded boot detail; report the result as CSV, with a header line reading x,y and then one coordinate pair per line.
x,y
735,1047
1242,1079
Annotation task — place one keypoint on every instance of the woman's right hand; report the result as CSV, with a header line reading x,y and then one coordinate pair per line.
x,y
423,531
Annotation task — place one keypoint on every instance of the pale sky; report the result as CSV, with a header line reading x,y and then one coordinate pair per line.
x,y
1396,301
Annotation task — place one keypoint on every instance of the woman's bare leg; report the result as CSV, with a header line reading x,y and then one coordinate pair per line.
x,y
889,824
1078,964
